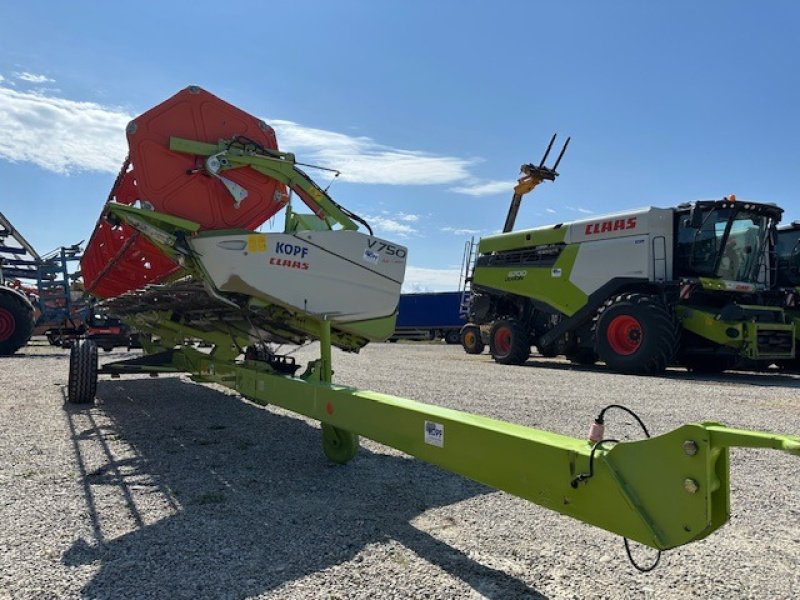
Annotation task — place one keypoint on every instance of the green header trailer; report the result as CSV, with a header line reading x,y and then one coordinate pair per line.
x,y
322,278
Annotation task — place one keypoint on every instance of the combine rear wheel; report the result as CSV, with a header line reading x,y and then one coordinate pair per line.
x,y
636,333
509,343
82,372
471,339
16,323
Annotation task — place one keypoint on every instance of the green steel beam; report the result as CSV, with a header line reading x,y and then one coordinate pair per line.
x,y
279,166
663,492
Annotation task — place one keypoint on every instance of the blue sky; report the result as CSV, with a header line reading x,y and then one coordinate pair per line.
x,y
428,108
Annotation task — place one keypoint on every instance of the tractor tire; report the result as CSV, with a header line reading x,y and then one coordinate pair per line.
x,y
16,323
82,372
452,336
584,356
509,343
636,334
471,340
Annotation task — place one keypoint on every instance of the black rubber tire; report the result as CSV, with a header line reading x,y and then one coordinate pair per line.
x,y
583,356
471,339
453,336
16,323
658,331
709,365
509,343
82,372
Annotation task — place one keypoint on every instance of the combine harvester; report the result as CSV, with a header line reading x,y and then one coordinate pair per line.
x,y
639,290
175,254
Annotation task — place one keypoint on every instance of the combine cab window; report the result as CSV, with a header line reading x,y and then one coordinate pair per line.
x,y
788,252
727,243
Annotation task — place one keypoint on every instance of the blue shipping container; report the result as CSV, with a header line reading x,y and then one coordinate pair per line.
x,y
435,310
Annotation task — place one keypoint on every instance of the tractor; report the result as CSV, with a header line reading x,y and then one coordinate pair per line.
x,y
638,290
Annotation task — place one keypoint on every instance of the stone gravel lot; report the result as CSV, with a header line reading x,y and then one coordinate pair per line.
x,y
169,489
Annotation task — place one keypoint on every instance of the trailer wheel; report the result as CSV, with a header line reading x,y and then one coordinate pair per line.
x,y
452,337
637,334
339,445
509,343
82,372
16,323
471,339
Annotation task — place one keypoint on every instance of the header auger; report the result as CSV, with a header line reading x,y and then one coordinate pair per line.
x,y
322,278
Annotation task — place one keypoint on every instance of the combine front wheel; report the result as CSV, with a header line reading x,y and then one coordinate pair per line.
x,y
637,334
509,343
82,372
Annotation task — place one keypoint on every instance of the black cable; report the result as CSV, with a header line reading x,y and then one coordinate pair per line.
x,y
627,410
585,476
635,564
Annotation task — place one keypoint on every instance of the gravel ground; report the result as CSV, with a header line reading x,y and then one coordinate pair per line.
x,y
169,489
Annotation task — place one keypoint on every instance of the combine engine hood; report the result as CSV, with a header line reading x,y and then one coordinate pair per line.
x,y
657,221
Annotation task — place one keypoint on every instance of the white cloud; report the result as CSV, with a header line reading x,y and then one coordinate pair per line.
x,y
391,225
585,211
61,135
419,279
362,160
33,78
408,217
2,79
457,231
64,136
550,210
487,188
